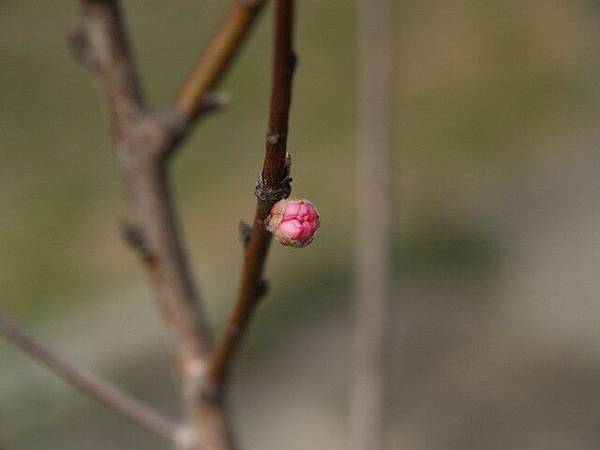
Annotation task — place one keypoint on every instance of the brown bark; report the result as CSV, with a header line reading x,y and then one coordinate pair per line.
x,y
273,185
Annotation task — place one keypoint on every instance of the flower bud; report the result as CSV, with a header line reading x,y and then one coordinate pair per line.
x,y
293,222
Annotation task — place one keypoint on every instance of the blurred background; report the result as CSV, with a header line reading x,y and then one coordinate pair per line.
x,y
494,325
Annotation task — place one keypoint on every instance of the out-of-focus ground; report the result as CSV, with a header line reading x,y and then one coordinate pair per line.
x,y
494,328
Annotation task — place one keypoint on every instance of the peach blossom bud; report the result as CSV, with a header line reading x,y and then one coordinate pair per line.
x,y
293,222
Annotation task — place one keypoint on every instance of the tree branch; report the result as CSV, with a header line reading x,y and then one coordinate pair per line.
x,y
88,384
100,41
374,205
144,140
274,173
215,60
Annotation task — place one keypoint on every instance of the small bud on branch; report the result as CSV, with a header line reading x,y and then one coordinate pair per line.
x,y
293,222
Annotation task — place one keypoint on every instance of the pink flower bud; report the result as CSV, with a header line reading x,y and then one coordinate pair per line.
x,y
293,222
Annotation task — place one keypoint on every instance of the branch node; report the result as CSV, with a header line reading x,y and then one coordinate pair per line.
x,y
245,231
283,189
134,236
293,62
272,194
215,102
262,288
175,130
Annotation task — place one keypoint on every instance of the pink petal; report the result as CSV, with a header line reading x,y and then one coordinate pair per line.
x,y
302,209
291,211
307,231
290,228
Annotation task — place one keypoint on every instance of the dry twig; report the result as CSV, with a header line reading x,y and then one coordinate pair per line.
x,y
93,387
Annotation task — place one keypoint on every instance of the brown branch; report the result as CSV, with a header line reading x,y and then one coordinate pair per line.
x,y
100,41
144,140
274,173
215,60
374,205
98,390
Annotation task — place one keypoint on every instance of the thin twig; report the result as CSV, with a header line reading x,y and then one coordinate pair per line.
x,y
273,174
88,384
216,58
374,206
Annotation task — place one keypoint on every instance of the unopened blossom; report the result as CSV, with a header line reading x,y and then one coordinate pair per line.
x,y
293,222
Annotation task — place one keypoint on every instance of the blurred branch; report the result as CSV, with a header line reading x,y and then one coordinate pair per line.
x,y
374,208
144,142
274,178
143,139
88,384
214,61
101,43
